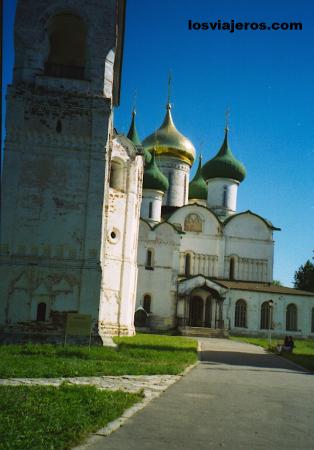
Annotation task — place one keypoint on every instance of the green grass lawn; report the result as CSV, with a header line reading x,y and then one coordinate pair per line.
x,y
142,354
303,352
46,417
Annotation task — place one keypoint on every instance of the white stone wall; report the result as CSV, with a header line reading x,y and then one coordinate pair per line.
x,y
222,203
250,242
155,198
206,246
245,238
178,173
120,244
161,282
254,301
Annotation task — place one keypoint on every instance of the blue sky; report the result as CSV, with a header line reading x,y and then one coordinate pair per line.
x,y
264,77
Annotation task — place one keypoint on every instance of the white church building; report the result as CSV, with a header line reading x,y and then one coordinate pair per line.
x,y
97,223
204,267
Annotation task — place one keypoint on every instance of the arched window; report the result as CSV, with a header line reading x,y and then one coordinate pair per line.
x,y
231,269
312,328
240,314
41,312
291,318
185,187
116,180
187,265
147,303
170,190
224,197
266,316
150,210
67,47
149,260
59,126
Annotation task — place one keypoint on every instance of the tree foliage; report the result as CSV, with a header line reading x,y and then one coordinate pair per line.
x,y
304,277
277,283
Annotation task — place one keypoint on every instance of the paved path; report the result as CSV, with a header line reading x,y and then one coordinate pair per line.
x,y
239,397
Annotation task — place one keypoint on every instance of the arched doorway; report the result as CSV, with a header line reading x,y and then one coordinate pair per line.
x,y
196,311
140,317
41,312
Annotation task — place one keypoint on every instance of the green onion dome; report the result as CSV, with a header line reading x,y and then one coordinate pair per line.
x,y
198,186
134,137
153,177
168,141
224,164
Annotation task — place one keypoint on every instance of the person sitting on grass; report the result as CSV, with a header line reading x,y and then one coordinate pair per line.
x,y
287,346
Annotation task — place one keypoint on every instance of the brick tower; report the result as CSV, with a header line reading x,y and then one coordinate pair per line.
x,y
59,230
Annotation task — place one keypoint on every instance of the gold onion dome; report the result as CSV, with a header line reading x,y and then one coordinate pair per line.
x,y
168,141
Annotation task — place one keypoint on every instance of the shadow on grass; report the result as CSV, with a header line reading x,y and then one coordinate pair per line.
x,y
60,351
124,350
164,348
304,360
267,360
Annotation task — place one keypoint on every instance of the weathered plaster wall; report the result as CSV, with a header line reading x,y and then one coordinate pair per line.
x,y
120,244
254,301
32,42
57,209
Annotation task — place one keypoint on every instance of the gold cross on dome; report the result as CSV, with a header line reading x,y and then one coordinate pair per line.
x,y
134,101
227,114
169,87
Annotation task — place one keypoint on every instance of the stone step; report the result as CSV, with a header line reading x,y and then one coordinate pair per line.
x,y
204,332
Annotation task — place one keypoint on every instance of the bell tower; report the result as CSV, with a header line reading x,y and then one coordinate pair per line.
x,y
59,134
